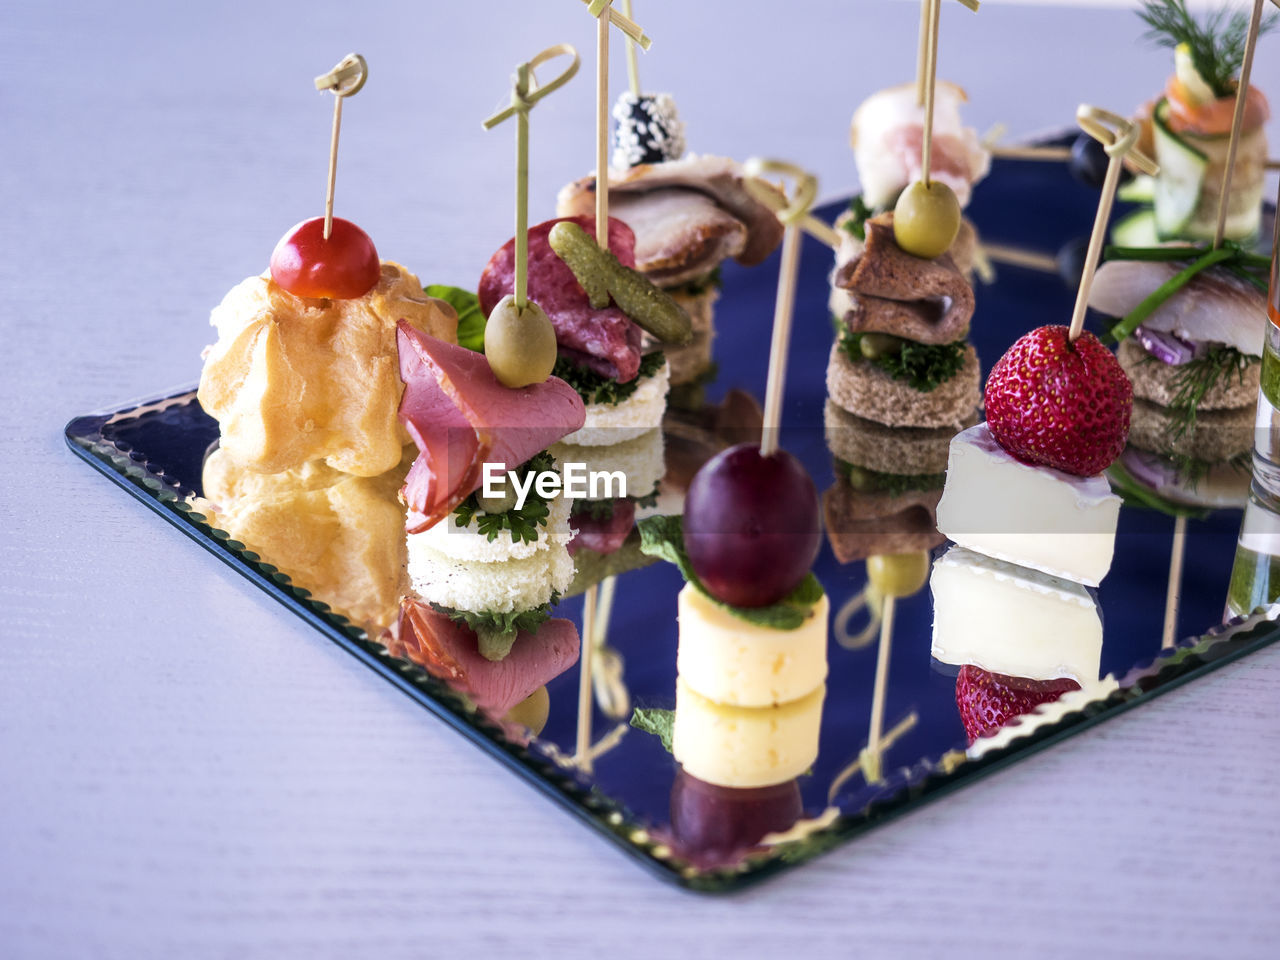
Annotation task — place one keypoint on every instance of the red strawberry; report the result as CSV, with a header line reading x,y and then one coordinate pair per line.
x,y
988,701
1060,404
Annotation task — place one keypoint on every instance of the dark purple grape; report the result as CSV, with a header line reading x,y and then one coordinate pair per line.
x,y
708,820
752,526
1089,162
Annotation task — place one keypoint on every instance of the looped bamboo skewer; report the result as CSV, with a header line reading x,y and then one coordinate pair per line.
x,y
794,217
1119,138
925,32
344,80
623,22
1237,119
525,93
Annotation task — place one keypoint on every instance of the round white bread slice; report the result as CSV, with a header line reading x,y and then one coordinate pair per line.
x,y
610,423
488,587
865,390
469,544
1156,381
640,459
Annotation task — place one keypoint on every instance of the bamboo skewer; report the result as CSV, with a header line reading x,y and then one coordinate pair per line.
x,y
1237,119
931,85
795,218
1119,137
602,130
342,81
633,57
1047,154
586,702
882,681
1173,594
922,54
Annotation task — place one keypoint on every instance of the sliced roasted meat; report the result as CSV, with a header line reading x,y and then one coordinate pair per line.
x,y
717,178
680,235
461,418
450,651
861,524
928,301
604,341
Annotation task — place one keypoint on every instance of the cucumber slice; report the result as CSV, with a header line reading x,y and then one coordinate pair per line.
x,y
1182,171
1138,229
1141,189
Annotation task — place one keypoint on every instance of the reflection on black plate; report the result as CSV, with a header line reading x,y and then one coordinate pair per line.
x,y
714,838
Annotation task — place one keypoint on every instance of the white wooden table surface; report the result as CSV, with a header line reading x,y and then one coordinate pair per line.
x,y
186,770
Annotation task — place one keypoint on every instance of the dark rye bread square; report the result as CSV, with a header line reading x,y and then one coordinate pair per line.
x,y
1217,436
865,390
862,524
899,450
1155,381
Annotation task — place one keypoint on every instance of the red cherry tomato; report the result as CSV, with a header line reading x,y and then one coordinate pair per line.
x,y
343,267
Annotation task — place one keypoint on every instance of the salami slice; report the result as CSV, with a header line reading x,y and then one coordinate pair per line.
x,y
604,341
461,418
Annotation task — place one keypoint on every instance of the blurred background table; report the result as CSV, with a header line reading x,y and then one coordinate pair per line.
x,y
189,771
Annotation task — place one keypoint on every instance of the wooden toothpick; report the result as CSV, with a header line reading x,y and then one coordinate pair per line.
x,y
633,57
525,93
586,701
1237,119
795,217
1118,137
927,74
343,81
1174,592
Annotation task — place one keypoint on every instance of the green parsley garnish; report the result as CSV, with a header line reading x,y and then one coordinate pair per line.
x,y
1216,44
522,523
1192,381
496,632
857,225
663,537
924,366
594,388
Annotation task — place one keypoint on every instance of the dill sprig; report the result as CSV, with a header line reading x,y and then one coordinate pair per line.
x,y
1191,383
1216,44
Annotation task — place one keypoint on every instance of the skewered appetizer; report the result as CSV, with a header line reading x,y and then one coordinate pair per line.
x,y
1189,126
484,570
886,135
901,381
597,305
1194,356
689,215
1034,522
304,367
751,664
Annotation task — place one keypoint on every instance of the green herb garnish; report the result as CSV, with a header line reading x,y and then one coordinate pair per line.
x,y
660,723
524,522
924,366
1216,45
893,484
471,319
857,224
1192,381
594,388
663,537
496,632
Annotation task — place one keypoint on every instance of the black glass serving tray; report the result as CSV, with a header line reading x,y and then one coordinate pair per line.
x,y
155,451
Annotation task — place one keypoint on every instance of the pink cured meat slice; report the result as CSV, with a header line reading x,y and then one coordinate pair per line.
x,y
604,341
603,536
461,418
449,650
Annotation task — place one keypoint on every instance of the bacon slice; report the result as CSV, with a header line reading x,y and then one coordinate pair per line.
x,y
604,341
461,418
450,651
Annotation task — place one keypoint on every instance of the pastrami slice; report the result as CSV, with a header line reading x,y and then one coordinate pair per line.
x,y
461,418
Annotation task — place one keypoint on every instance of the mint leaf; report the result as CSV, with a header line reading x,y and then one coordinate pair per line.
x,y
658,722
663,537
471,319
